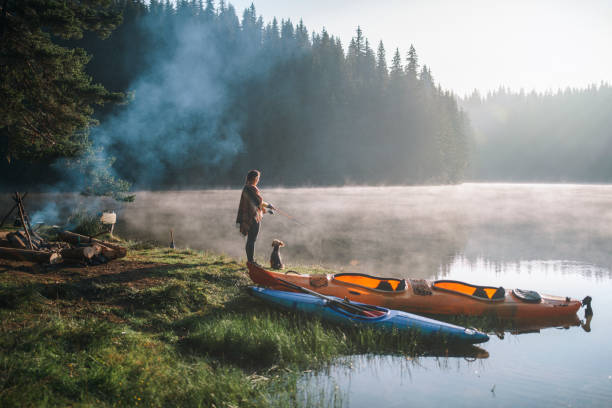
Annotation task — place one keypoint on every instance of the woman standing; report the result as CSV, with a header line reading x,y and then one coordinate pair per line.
x,y
250,211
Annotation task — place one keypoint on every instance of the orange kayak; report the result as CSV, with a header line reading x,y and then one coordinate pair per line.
x,y
427,297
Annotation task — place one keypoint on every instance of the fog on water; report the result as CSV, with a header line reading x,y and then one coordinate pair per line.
x,y
395,231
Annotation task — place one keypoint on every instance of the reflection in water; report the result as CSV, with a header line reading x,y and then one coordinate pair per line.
x,y
526,325
588,314
470,352
586,325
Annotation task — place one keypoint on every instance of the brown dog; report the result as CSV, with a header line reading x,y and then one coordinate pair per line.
x,y
275,258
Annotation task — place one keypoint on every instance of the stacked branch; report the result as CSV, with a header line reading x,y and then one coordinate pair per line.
x,y
43,257
27,245
109,250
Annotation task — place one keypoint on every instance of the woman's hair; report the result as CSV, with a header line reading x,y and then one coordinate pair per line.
x,y
252,175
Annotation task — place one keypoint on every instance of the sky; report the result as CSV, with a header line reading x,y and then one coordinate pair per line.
x,y
474,44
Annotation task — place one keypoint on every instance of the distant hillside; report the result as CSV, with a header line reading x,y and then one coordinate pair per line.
x,y
550,137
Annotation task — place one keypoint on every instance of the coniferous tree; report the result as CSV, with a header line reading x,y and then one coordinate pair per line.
x,y
381,62
359,43
425,76
412,63
209,11
46,98
369,62
301,35
396,65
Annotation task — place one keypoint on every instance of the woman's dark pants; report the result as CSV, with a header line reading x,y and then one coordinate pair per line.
x,y
251,238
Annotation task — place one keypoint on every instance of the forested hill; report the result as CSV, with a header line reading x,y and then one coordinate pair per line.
x,y
565,136
215,95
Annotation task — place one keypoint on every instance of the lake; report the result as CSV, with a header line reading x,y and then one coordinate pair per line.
x,y
555,239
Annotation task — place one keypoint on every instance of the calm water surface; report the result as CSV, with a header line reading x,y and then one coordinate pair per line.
x,y
555,239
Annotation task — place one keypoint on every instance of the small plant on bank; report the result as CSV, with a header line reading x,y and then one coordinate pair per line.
x,y
85,223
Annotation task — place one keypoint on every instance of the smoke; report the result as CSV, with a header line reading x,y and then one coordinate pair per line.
x,y
178,126
56,208
416,232
49,214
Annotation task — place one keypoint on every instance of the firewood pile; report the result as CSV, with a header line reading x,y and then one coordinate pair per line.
x,y
28,245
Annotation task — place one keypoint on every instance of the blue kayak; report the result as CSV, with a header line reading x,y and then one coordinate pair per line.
x,y
337,310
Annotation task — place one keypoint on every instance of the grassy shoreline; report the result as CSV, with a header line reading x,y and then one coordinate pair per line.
x,y
161,328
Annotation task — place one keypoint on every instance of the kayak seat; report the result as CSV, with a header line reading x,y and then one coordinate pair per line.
x,y
384,285
488,293
482,293
371,282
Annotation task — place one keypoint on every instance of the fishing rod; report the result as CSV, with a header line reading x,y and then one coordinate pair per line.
x,y
284,214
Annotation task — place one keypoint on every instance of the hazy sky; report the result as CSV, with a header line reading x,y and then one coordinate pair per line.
x,y
530,44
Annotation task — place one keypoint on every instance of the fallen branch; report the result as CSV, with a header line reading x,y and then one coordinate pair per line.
x,y
81,253
109,250
30,255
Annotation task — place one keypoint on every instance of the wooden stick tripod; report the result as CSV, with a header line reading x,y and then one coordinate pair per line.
x,y
11,211
25,222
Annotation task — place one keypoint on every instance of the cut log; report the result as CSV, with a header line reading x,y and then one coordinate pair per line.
x,y
110,253
30,255
76,239
81,253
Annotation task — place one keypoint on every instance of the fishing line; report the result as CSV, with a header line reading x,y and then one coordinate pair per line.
x,y
281,212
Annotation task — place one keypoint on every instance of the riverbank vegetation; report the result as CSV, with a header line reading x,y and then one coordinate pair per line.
x,y
163,328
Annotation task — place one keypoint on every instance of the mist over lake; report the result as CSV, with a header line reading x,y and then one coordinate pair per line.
x,y
395,231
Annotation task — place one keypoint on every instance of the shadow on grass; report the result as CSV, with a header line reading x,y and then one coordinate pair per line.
x,y
164,286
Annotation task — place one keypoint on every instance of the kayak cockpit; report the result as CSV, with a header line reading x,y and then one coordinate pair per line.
x,y
371,282
488,293
358,311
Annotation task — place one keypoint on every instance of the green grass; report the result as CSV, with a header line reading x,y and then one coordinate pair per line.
x,y
167,328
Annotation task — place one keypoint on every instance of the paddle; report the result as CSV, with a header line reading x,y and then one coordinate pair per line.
x,y
359,309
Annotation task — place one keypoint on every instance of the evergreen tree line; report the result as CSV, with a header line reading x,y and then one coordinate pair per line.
x,y
308,111
561,136
295,104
